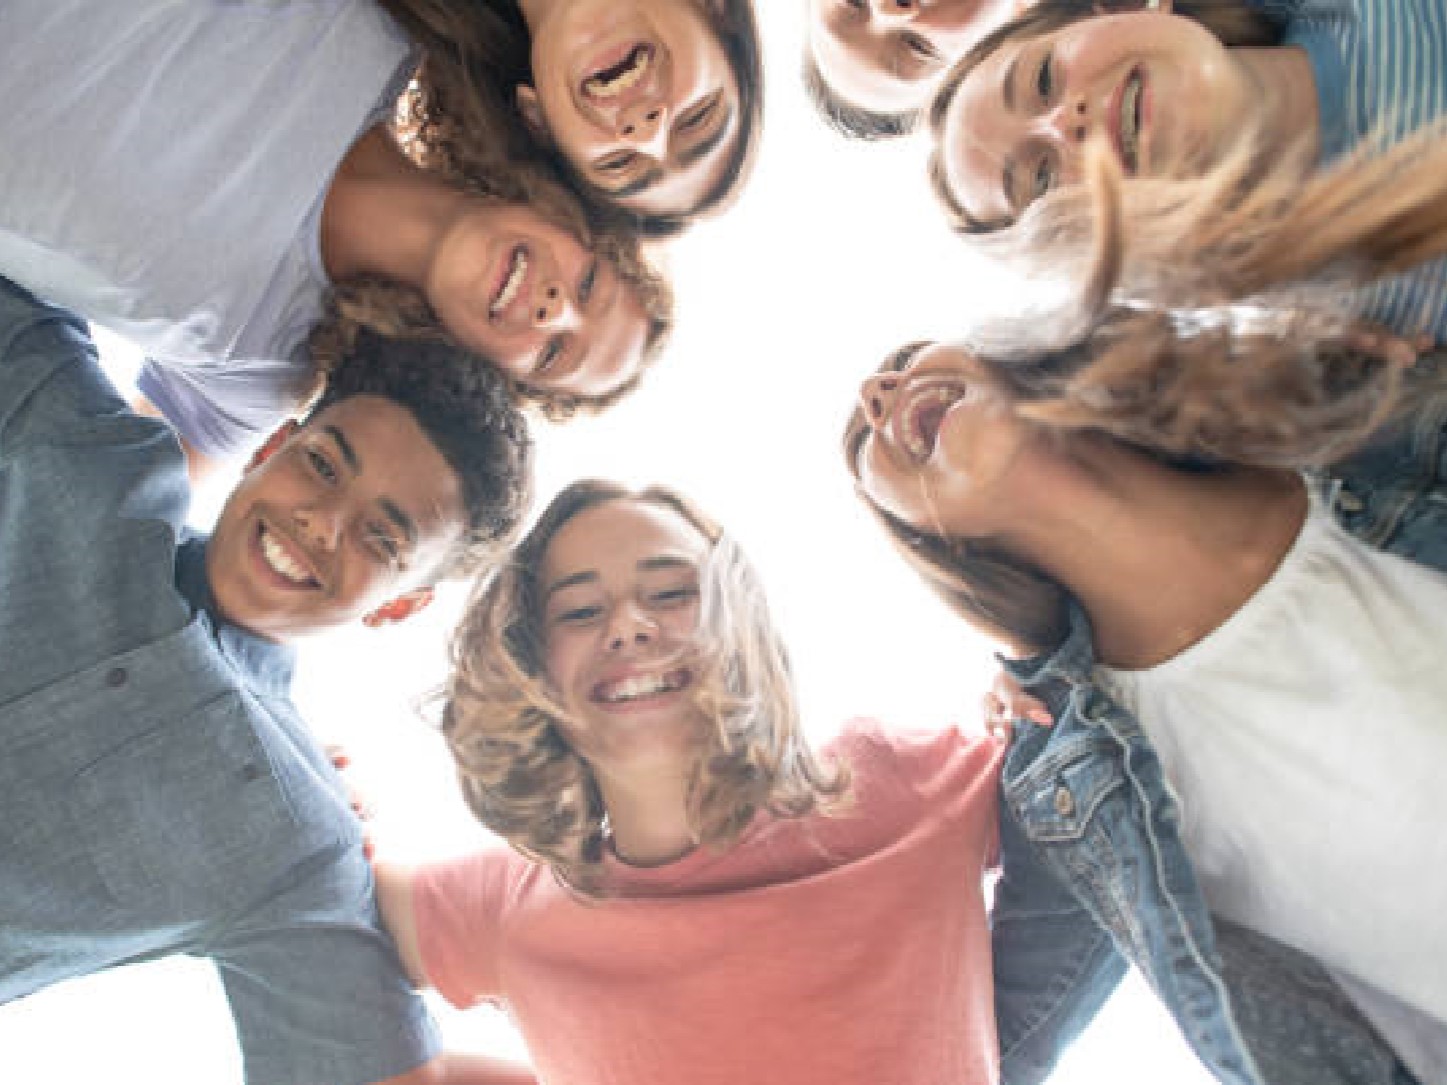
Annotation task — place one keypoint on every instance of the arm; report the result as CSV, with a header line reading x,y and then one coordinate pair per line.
x,y
199,466
451,1068
394,897
1054,966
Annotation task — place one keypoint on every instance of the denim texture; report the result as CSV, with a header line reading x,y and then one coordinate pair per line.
x,y
159,793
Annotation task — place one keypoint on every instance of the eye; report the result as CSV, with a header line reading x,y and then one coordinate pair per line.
x,y
695,118
616,163
549,355
1045,77
321,466
1043,179
920,47
587,282
382,544
676,596
577,615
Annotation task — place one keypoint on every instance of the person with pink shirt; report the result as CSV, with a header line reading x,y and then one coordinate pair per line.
x,y
692,894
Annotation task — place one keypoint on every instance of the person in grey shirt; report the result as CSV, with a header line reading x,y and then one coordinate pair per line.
x,y
159,792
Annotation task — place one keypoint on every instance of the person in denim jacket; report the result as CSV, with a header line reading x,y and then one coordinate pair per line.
x,y
1224,600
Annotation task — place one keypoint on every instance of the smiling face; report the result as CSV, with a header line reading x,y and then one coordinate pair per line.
x,y
528,295
931,446
354,509
888,55
1161,89
639,96
620,598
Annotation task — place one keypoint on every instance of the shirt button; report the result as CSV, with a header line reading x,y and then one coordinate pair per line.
x,y
1348,501
116,677
1064,801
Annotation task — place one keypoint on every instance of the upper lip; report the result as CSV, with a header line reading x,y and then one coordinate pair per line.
x,y
913,424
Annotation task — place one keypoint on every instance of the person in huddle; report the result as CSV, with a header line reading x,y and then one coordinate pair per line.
x,y
162,795
213,251
691,892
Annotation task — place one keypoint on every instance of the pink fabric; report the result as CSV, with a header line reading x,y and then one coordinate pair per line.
x,y
850,950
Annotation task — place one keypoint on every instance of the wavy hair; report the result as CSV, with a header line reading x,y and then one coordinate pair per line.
x,y
475,55
502,720
1233,22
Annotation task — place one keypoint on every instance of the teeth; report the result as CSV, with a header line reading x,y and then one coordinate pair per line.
x,y
938,397
1130,121
634,67
630,689
514,282
282,562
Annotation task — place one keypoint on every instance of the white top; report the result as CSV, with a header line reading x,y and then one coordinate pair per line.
x,y
1306,741
162,165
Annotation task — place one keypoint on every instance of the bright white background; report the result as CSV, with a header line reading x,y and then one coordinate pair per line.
x,y
834,256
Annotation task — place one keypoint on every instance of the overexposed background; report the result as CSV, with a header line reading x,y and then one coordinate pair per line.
x,y
834,256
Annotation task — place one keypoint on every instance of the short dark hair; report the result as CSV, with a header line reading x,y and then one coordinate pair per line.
x,y
466,409
849,119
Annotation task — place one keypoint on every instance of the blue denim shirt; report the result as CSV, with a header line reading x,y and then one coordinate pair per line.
x,y
158,791
1095,874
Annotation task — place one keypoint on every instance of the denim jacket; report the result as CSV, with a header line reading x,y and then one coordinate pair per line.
x,y
1095,874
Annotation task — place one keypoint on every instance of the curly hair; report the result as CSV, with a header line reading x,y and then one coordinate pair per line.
x,y
465,410
501,718
476,55
1233,22
846,118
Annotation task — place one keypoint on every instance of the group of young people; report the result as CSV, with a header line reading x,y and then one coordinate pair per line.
x,y
1200,509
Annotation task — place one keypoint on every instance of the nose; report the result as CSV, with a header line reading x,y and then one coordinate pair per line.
x,y
1069,121
320,526
553,305
876,396
644,124
630,625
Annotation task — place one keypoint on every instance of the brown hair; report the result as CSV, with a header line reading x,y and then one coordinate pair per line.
x,y
1232,21
518,773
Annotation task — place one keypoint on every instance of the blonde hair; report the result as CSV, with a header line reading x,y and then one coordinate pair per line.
x,y
502,722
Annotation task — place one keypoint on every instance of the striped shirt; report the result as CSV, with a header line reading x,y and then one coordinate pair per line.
x,y
1381,72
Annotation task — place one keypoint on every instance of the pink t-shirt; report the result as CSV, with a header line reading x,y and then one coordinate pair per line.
x,y
850,950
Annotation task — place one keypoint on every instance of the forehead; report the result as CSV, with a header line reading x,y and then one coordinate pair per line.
x,y
393,460
978,131
616,535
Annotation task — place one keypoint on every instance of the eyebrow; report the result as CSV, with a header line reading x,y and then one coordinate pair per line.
x,y
395,513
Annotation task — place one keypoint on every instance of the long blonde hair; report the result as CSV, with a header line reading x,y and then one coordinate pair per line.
x,y
501,720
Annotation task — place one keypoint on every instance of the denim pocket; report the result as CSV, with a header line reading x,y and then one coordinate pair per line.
x,y
188,820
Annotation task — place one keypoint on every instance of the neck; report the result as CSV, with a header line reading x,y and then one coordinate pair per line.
x,y
1157,556
385,216
648,819
534,12
1285,102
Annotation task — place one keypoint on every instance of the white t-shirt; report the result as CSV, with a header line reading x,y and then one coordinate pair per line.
x,y
1306,741
162,167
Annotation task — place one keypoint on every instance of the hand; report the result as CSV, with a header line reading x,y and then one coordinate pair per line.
x,y
1006,703
341,760
1381,342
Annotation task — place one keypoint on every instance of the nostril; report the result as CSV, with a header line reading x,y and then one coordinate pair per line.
x,y
653,114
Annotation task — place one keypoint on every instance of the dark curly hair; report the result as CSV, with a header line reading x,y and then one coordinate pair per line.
x,y
465,408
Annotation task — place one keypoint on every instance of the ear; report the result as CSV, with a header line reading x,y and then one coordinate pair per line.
x,y
398,609
268,448
531,109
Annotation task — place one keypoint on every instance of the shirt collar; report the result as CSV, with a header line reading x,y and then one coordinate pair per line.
x,y
1071,661
267,664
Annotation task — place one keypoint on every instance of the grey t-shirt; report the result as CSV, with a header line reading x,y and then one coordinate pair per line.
x,y
162,168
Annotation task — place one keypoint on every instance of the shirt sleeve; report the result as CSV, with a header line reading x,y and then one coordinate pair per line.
x,y
316,988
458,907
37,340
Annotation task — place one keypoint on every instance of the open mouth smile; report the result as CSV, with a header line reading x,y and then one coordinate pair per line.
x,y
279,555
1130,106
514,276
641,687
616,79
921,412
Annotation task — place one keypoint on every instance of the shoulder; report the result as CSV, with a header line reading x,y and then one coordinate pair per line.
x,y
920,761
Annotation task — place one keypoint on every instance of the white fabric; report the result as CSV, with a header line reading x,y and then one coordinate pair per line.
x,y
161,170
1306,740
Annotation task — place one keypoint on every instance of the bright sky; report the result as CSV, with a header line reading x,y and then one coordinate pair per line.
x,y
834,256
